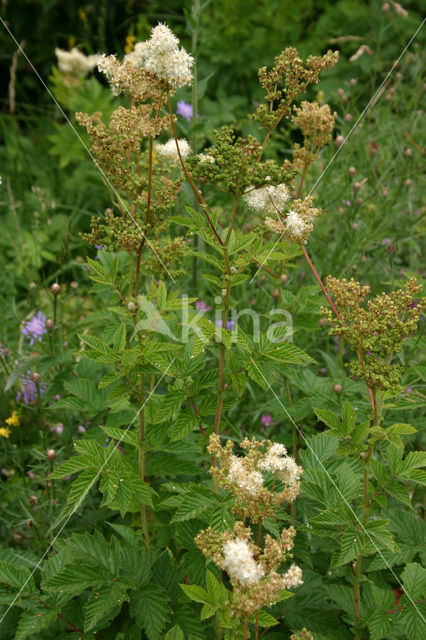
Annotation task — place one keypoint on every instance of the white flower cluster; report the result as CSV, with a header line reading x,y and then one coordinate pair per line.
x,y
295,225
161,56
277,459
250,481
239,562
111,68
169,150
293,577
269,199
75,62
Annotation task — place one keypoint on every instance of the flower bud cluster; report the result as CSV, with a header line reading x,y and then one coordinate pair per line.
x,y
297,223
317,124
288,78
253,571
261,480
233,166
375,331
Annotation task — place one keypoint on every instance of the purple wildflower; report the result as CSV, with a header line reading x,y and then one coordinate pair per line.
x,y
28,392
184,109
35,328
59,428
386,241
81,429
347,202
229,324
408,390
200,305
99,247
266,420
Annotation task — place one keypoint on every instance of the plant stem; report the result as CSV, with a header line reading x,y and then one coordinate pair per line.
x,y
142,507
302,180
333,307
226,294
256,626
320,283
295,443
204,206
196,18
365,510
246,628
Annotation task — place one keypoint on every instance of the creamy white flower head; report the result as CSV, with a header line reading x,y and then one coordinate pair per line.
x,y
137,55
109,66
75,62
295,225
169,150
250,481
293,577
206,157
239,562
161,56
276,459
267,199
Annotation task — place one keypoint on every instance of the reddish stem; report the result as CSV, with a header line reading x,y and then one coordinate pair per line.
x,y
321,283
371,398
201,200
332,306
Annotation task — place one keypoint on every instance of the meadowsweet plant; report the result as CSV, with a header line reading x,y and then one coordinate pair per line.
x,y
252,570
195,469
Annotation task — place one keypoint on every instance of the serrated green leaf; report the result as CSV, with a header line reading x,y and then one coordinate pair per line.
x,y
329,418
104,602
413,617
265,619
79,490
120,338
185,423
414,580
73,465
196,593
16,577
74,579
150,607
380,623
208,611
33,620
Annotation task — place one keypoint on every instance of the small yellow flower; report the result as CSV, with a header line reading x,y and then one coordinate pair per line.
x,y
130,43
4,433
13,420
83,16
